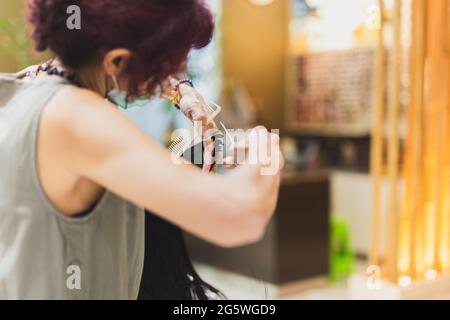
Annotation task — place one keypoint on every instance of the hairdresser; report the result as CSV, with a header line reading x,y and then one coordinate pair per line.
x,y
76,174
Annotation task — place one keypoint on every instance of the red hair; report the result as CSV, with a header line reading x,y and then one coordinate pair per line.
x,y
159,33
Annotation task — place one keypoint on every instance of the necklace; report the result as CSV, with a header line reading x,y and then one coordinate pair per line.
x,y
51,69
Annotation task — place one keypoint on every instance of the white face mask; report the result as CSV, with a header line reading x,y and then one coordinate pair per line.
x,y
119,98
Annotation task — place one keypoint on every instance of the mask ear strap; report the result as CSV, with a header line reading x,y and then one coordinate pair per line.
x,y
116,83
117,87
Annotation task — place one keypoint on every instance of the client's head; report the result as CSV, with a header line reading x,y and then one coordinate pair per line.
x,y
140,42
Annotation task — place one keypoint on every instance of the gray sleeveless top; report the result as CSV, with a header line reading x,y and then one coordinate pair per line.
x,y
43,254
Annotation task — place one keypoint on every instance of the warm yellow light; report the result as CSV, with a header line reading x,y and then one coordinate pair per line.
x,y
418,248
430,274
429,234
404,281
261,2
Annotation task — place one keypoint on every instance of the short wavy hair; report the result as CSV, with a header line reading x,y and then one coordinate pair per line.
x,y
159,33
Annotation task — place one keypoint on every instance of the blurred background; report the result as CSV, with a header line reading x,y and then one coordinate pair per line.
x,y
337,79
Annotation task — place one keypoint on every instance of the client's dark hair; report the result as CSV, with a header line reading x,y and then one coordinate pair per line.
x,y
160,34
168,271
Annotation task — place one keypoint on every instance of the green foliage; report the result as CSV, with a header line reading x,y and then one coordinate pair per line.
x,y
16,45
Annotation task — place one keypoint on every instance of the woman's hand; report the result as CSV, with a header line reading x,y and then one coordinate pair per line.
x,y
194,107
240,147
258,147
192,104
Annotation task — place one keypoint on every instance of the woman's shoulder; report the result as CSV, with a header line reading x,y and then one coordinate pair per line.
x,y
73,106
85,121
77,118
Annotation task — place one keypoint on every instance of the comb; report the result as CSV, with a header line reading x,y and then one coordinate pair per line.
x,y
214,110
181,143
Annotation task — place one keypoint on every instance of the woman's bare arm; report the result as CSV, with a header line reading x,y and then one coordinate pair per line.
x,y
102,145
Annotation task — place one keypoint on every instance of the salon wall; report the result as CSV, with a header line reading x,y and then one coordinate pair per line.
x,y
9,9
254,52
